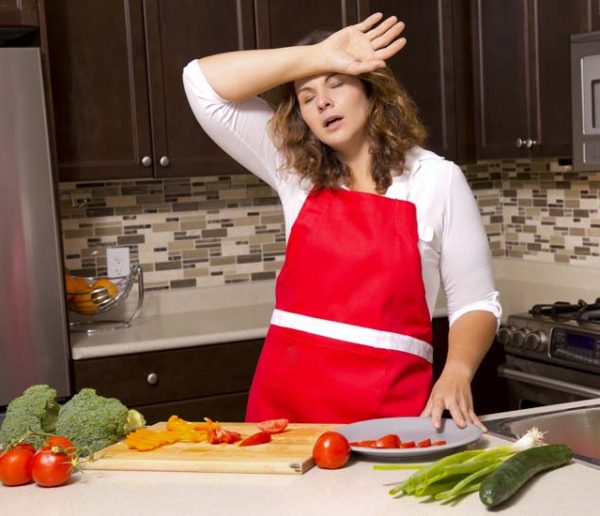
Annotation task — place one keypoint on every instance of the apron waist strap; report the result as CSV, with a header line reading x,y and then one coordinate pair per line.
x,y
354,334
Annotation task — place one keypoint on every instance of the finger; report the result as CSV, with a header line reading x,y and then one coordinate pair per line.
x,y
476,421
381,29
436,415
391,50
458,416
367,23
427,410
388,36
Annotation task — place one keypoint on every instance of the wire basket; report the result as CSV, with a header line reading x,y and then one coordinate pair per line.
x,y
92,296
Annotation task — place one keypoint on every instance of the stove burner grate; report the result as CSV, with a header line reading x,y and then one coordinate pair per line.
x,y
561,310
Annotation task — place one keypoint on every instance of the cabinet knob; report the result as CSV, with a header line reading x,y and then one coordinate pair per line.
x,y
147,161
530,143
164,161
519,142
152,378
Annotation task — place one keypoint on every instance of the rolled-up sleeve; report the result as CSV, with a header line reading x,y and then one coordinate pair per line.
x,y
465,263
239,128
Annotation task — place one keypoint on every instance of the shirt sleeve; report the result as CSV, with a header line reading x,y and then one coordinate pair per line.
x,y
465,264
239,128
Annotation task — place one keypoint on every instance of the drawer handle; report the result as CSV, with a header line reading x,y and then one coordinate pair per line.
x,y
152,378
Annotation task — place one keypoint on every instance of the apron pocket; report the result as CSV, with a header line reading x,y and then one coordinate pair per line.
x,y
315,379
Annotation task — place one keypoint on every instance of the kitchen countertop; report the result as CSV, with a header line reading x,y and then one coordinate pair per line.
x,y
241,311
353,490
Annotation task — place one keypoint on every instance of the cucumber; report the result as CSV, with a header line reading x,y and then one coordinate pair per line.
x,y
516,471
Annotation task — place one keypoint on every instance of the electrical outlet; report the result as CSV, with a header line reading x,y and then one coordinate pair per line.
x,y
117,261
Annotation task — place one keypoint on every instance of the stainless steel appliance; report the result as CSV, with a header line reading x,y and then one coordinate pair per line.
x,y
34,346
552,354
585,98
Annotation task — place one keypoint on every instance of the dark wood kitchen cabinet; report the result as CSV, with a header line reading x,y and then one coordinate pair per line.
x,y
19,12
522,74
118,102
435,68
281,24
208,380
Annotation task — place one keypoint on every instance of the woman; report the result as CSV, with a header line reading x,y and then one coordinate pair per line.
x,y
374,224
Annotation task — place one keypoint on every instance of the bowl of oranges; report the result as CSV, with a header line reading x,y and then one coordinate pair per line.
x,y
95,295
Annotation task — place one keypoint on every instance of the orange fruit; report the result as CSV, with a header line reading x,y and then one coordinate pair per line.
x,y
105,283
75,284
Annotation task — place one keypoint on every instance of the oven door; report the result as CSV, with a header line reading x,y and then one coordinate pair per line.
x,y
534,384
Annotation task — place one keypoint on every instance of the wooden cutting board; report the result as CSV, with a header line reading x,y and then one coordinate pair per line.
x,y
289,452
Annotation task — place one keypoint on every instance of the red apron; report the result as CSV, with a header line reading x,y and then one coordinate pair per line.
x,y
350,337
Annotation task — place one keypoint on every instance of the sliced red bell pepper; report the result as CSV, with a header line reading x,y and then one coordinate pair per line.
x,y
441,442
257,438
408,444
425,443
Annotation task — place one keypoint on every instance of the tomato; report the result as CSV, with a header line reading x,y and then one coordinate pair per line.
x,y
15,465
216,434
257,438
331,450
50,469
441,442
365,444
425,443
408,444
387,441
25,446
65,445
273,426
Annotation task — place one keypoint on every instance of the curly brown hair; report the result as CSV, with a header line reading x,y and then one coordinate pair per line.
x,y
393,128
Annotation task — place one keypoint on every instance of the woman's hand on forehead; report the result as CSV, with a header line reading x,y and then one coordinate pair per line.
x,y
363,47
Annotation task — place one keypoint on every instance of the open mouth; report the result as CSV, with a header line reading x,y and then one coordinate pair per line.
x,y
331,121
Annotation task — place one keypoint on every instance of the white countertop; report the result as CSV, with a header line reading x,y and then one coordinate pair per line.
x,y
353,490
241,311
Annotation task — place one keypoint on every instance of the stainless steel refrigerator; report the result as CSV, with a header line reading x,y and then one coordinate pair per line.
x,y
34,345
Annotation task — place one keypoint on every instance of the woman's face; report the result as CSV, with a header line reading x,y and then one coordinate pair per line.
x,y
336,109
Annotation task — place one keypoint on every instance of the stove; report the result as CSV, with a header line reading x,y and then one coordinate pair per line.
x,y
552,353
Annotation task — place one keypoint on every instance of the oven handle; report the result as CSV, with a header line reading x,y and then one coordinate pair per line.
x,y
557,385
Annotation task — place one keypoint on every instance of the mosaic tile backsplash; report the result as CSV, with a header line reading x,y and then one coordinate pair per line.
x,y
200,232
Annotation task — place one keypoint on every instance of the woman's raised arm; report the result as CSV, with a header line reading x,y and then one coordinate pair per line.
x,y
352,50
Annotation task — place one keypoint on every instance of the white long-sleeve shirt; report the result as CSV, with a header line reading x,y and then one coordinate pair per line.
x,y
452,241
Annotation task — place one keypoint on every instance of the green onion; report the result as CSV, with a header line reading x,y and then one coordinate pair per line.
x,y
460,473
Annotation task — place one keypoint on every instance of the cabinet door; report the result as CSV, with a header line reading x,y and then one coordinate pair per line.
x,y
19,12
170,376
99,91
433,67
284,23
503,77
553,22
178,31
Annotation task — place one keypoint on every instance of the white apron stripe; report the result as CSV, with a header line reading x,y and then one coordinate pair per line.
x,y
354,334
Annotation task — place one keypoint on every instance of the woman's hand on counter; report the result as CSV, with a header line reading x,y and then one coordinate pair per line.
x,y
452,392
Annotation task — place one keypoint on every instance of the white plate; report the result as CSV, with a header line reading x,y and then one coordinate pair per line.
x,y
409,429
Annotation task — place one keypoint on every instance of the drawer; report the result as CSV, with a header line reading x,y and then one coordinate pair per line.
x,y
229,407
172,375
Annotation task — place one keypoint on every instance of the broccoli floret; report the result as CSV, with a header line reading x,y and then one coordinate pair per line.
x,y
35,410
94,422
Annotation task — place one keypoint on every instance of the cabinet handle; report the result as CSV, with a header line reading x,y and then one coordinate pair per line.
x,y
147,161
152,378
164,161
519,143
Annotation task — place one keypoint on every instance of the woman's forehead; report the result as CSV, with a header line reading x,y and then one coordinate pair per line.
x,y
314,80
